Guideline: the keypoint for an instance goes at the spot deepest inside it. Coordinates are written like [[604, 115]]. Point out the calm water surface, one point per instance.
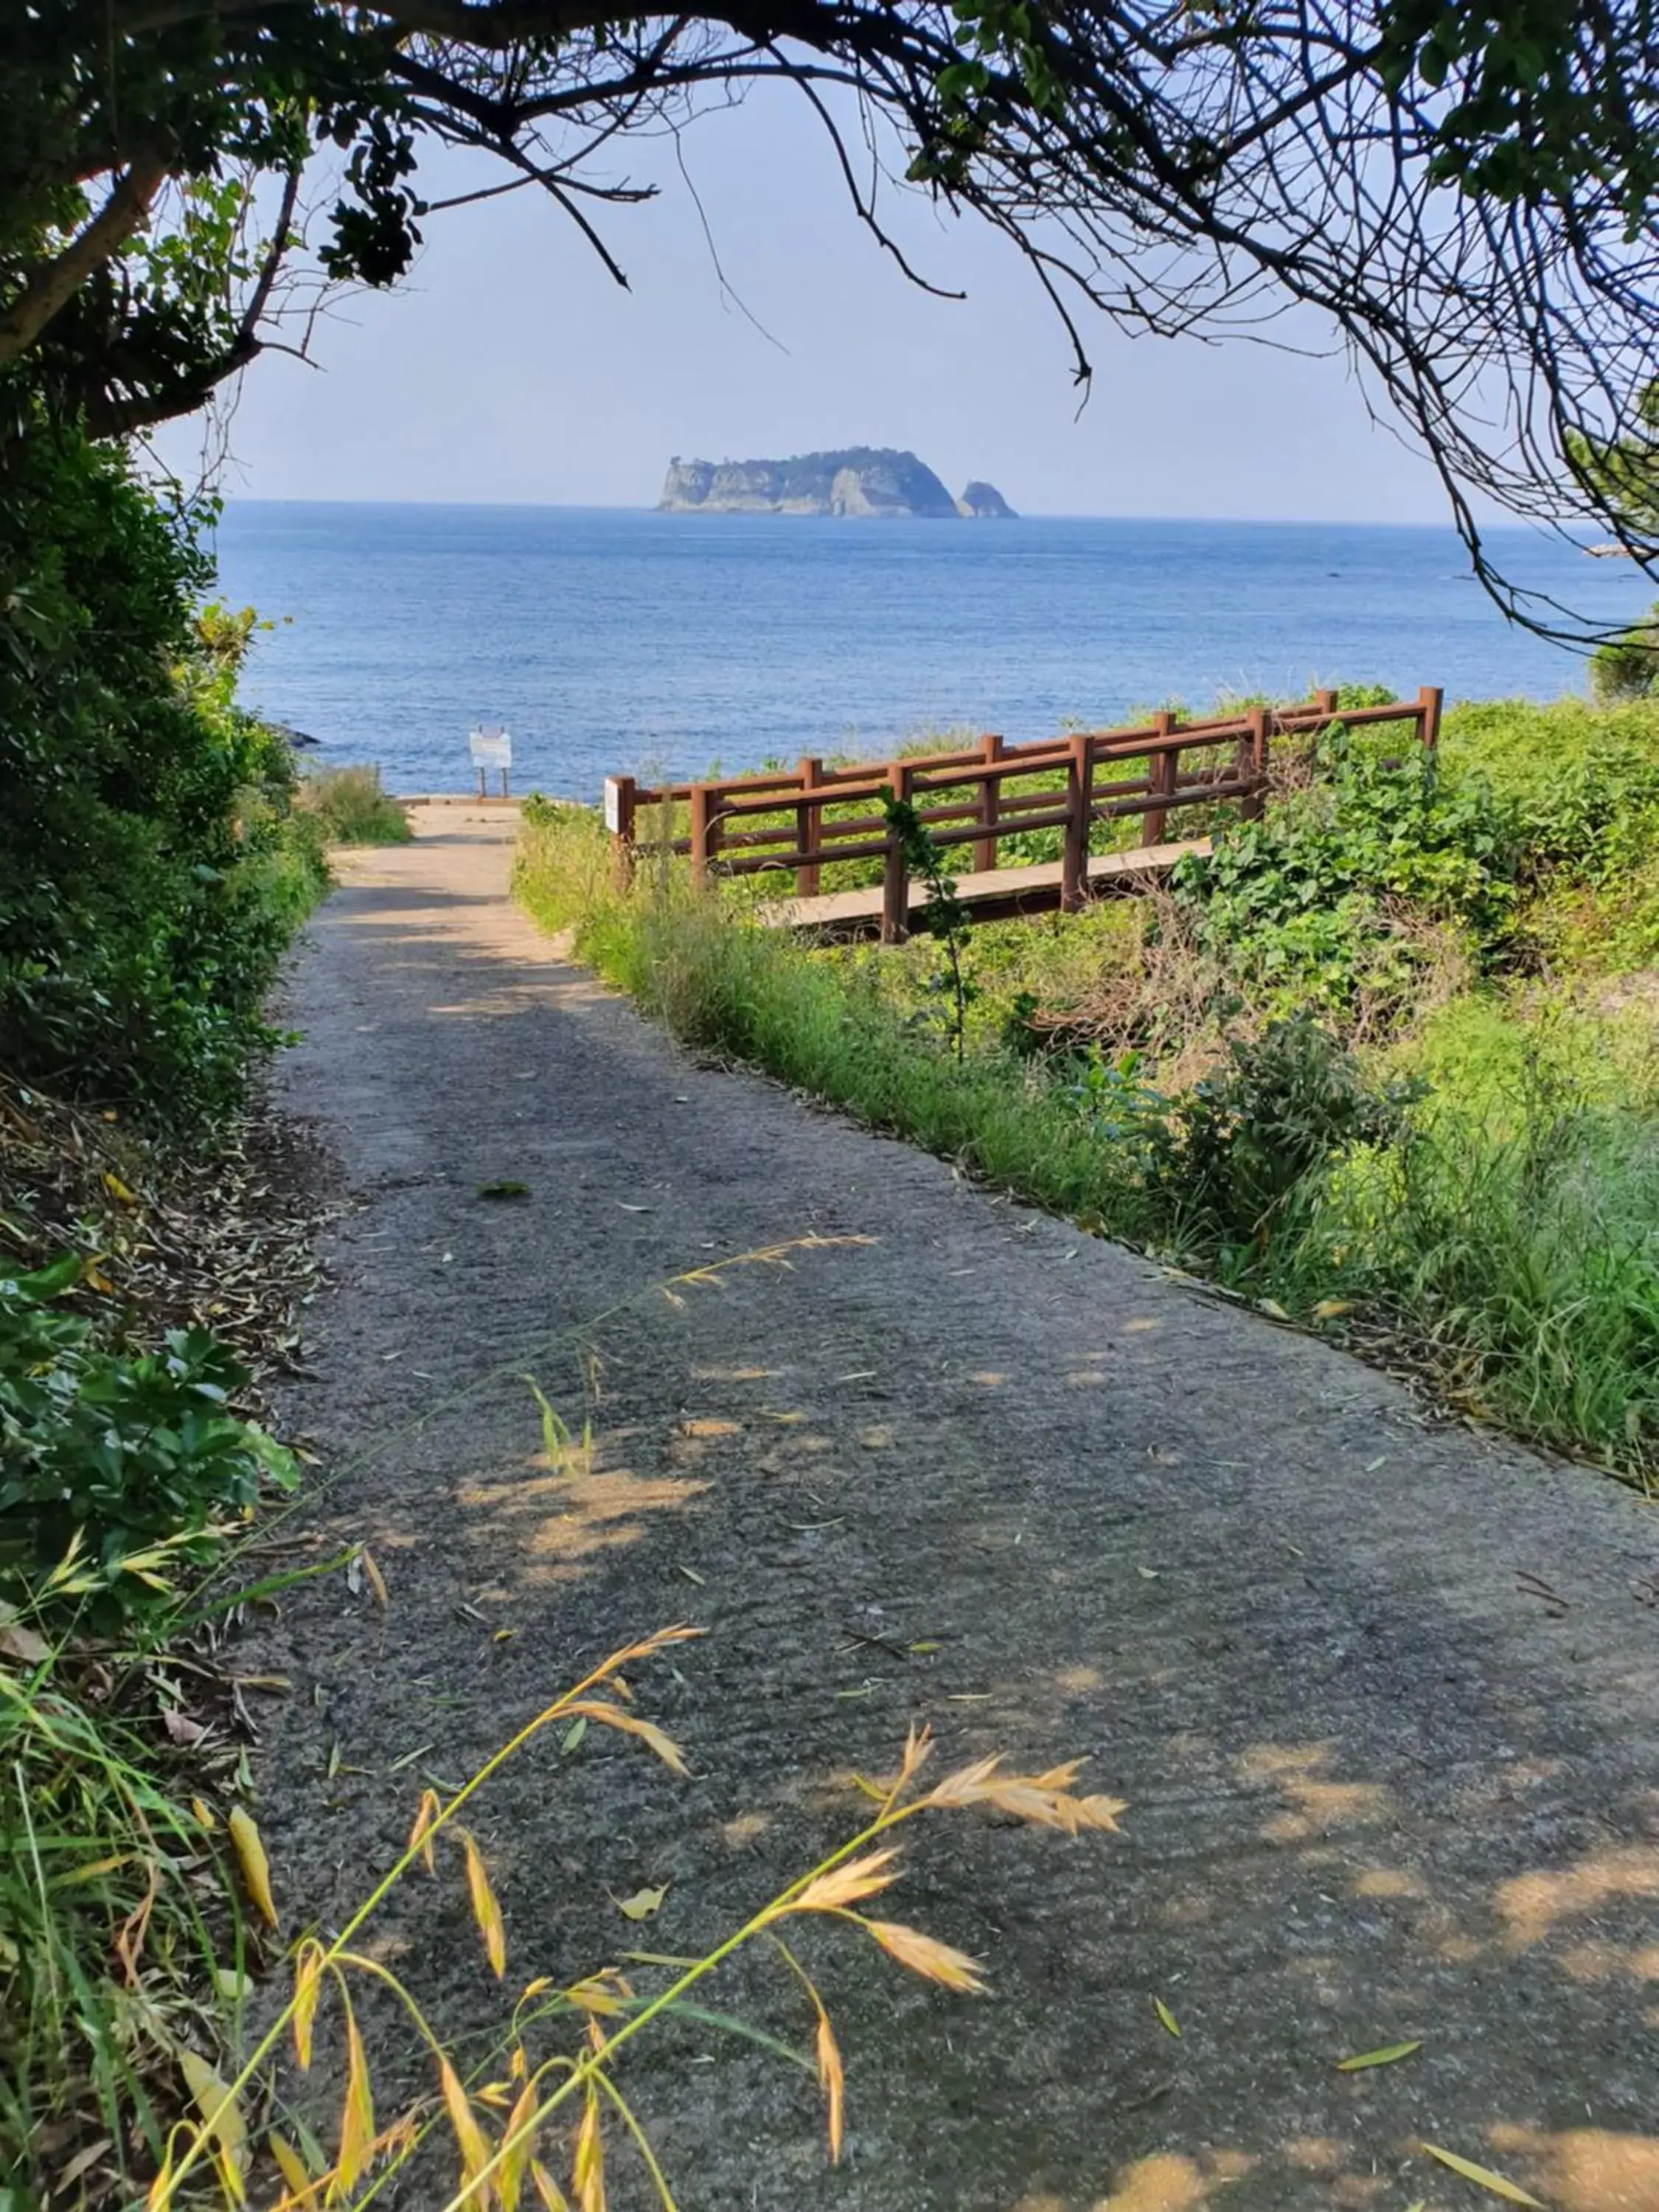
[[611, 641]]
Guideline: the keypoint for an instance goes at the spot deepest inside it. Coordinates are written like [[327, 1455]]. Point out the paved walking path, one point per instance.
[[1381, 1697]]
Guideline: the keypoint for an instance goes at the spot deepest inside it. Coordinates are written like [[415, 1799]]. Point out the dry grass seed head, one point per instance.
[[552, 2197], [927, 1956], [486, 1910], [519, 2146], [605, 1994], [832, 2079], [1045, 1800], [844, 1885], [298, 2185], [469, 2138], [307, 1988], [221, 2119], [587, 2168], [917, 1745], [610, 1716], [250, 1857], [356, 2112], [426, 1814]]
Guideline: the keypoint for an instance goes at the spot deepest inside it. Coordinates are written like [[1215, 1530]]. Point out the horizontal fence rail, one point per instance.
[[743, 825]]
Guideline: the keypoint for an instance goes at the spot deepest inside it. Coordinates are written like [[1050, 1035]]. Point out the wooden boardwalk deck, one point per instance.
[[990, 894]]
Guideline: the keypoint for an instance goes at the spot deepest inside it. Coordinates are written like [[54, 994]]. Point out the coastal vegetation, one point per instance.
[[1385, 1065], [352, 806], [153, 864]]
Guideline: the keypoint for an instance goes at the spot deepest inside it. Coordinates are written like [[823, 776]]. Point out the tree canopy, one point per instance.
[[1465, 190]]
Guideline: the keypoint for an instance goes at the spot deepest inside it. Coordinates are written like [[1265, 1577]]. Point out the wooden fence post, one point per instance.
[[1074, 852], [704, 832], [1429, 699], [895, 880], [1161, 779], [1325, 703], [621, 799], [1253, 765], [808, 830], [990, 810]]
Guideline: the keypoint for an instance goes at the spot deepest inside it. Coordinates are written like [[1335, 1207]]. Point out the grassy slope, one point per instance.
[[1488, 939]]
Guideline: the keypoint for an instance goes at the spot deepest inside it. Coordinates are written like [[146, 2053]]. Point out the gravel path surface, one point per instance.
[[1381, 1697]]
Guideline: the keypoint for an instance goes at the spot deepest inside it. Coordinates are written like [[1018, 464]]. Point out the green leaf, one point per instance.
[[555, 1435], [62, 1275], [1386, 2057], [1484, 2178]]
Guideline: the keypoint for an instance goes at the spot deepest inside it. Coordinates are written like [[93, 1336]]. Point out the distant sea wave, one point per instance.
[[608, 641]]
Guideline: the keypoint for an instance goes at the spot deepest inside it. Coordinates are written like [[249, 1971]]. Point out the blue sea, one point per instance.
[[607, 641]]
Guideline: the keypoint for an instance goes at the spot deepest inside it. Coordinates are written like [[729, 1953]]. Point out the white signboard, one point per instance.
[[612, 805], [489, 747]]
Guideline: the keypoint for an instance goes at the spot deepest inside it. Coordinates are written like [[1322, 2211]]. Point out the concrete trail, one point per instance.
[[1383, 1697]]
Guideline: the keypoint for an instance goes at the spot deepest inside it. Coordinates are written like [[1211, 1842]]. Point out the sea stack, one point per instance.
[[983, 503]]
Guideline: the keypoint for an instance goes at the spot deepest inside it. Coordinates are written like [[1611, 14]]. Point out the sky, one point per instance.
[[511, 367]]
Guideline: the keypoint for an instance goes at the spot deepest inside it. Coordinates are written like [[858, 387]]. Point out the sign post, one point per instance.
[[490, 746]]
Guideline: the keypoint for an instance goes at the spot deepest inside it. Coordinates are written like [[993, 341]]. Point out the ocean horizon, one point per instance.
[[621, 640]]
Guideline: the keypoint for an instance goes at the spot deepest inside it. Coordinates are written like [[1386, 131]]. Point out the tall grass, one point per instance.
[[353, 808], [118, 1938]]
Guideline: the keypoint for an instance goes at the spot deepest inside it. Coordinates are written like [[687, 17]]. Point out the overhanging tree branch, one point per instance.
[[48, 290]]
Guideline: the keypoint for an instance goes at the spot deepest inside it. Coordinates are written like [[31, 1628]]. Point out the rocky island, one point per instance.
[[861, 480]]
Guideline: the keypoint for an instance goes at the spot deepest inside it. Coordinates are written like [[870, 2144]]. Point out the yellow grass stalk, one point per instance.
[[486, 1910]]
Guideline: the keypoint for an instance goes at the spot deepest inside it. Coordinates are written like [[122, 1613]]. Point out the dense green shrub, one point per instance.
[[149, 881], [116, 1451], [1535, 829], [1580, 784], [1233, 1150], [1301, 903]]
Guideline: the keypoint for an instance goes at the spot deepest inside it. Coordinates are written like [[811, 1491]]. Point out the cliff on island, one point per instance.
[[861, 481]]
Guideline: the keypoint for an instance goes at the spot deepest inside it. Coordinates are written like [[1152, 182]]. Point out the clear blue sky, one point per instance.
[[512, 368]]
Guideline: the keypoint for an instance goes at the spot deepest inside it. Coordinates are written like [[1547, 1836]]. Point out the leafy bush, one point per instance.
[[1233, 1151], [1535, 826], [351, 808], [1581, 784], [149, 877], [128, 1456], [1297, 903]]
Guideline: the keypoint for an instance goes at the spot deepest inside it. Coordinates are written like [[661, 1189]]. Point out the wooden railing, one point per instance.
[[799, 836]]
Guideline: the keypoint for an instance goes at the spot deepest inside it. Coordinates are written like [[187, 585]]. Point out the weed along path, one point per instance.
[[1383, 1699]]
